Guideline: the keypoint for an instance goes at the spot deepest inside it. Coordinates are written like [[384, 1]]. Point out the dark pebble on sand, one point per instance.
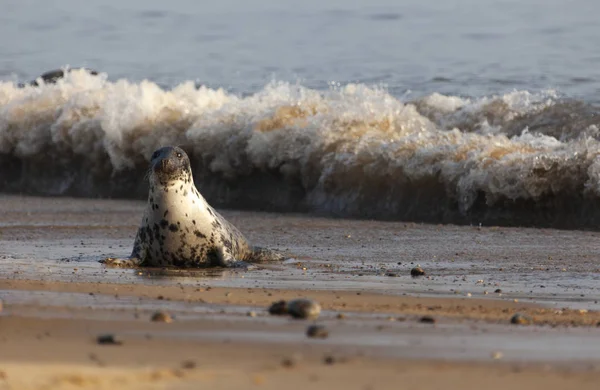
[[317, 331], [521, 319], [427, 320], [108, 339], [188, 364], [161, 316], [391, 274], [303, 308], [288, 362], [417, 271], [497, 291], [329, 360], [278, 308]]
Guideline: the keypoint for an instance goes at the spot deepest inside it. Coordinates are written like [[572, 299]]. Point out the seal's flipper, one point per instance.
[[130, 262], [265, 256]]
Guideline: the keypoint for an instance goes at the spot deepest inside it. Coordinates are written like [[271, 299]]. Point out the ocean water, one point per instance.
[[459, 111]]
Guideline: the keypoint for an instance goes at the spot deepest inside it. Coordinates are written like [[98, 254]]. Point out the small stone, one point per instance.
[[497, 291], [278, 308], [417, 271], [161, 316], [521, 319], [188, 364], [427, 320], [160, 297], [303, 308], [391, 274], [288, 362], [329, 360], [496, 355], [317, 331], [251, 314], [108, 339], [340, 316]]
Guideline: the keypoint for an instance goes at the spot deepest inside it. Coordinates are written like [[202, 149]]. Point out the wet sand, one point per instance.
[[57, 299]]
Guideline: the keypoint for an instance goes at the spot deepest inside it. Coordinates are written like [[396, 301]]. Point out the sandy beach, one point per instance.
[[57, 299]]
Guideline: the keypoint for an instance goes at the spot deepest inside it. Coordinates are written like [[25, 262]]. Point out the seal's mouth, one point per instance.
[[166, 168]]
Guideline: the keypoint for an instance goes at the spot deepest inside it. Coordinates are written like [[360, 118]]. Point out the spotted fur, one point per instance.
[[179, 228]]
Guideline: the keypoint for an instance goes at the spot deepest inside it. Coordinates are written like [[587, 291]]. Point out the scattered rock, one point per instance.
[[340, 316], [251, 314], [188, 364], [317, 331], [417, 271], [427, 320], [303, 308], [496, 355], [497, 291], [288, 362], [161, 316], [391, 274], [329, 360], [278, 308], [108, 339], [521, 319]]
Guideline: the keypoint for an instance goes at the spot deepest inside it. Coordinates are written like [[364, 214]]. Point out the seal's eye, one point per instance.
[[179, 155], [154, 155]]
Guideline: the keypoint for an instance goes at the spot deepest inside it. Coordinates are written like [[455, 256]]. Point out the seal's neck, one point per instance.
[[174, 191]]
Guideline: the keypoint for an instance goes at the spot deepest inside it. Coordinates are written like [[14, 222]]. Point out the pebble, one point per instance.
[[521, 319], [329, 360], [497, 355], [340, 316], [497, 291], [278, 308], [251, 314], [188, 364], [288, 362], [303, 308], [427, 320], [417, 271], [317, 331], [161, 316], [108, 339]]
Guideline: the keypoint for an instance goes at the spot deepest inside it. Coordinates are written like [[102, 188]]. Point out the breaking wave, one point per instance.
[[354, 150]]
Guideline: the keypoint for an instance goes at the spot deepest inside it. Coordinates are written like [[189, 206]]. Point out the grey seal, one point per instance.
[[179, 228]]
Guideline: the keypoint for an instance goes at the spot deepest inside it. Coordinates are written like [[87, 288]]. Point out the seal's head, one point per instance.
[[170, 164]]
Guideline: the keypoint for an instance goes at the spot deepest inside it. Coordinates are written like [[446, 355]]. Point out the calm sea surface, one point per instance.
[[461, 47]]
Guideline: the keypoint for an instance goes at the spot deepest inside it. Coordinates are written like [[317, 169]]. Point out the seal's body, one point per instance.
[[179, 228]]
